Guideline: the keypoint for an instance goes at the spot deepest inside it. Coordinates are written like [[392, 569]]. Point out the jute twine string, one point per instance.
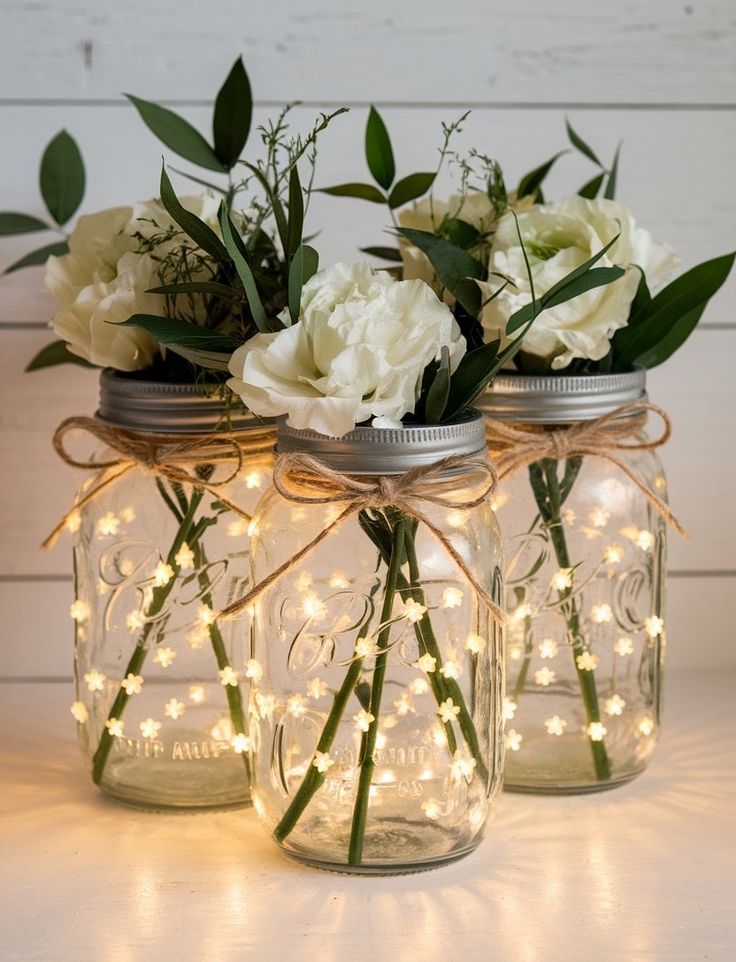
[[178, 458], [303, 479], [515, 446]]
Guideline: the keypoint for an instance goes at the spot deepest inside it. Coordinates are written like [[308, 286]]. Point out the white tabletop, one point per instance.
[[644, 872]]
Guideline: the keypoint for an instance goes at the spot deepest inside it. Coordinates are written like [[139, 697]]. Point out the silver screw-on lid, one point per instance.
[[373, 451], [137, 404], [558, 399]]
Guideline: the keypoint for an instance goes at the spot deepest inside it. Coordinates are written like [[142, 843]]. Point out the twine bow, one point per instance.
[[514, 446], [303, 479], [178, 458]]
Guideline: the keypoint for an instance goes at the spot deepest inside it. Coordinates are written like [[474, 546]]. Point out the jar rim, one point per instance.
[[561, 398], [386, 451], [139, 404]]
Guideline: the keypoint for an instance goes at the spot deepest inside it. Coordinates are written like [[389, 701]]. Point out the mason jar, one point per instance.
[[161, 696], [376, 705], [585, 590]]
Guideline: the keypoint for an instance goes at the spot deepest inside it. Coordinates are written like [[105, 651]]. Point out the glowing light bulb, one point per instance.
[[205, 615], [150, 728], [624, 646], [499, 500], [591, 533], [165, 656], [596, 731], [240, 743], [587, 661], [462, 767], [645, 540], [455, 519], [253, 480], [474, 643], [297, 705], [523, 611], [451, 598], [73, 522], [184, 557], [95, 680], [174, 708], [630, 532], [555, 725], [654, 626], [366, 648], [513, 739], [313, 607], [601, 614], [646, 725], [134, 621], [266, 704], [569, 517], [79, 712], [115, 726], [252, 528], [413, 611], [432, 808], [228, 676], [338, 579], [427, 663], [419, 686], [162, 574], [548, 648], [238, 528], [614, 705], [545, 677], [448, 710], [509, 709], [304, 582], [108, 524], [363, 720], [515, 652], [132, 684], [439, 737], [599, 517], [253, 670], [562, 579], [79, 611], [613, 554], [322, 762], [197, 636], [451, 669], [316, 688], [380, 741], [404, 704], [128, 514], [196, 694]]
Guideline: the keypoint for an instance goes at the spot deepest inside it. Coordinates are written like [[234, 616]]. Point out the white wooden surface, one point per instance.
[[643, 873], [658, 75]]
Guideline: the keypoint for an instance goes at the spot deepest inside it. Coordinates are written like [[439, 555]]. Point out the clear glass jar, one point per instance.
[[585, 594], [161, 699], [376, 706]]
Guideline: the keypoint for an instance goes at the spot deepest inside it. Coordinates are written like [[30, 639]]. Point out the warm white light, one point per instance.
[[513, 739], [555, 725], [462, 767], [134, 621], [432, 808], [79, 712], [448, 710], [297, 705], [419, 686], [150, 728], [206, 615], [73, 522], [569, 517], [601, 614], [304, 582], [95, 680], [165, 656], [253, 480], [197, 636], [596, 731], [184, 557], [316, 688], [474, 643], [132, 684], [427, 663], [562, 579], [624, 646], [614, 705], [380, 741], [523, 611], [338, 579], [587, 661], [240, 743], [404, 704], [363, 720], [654, 626], [80, 611], [498, 501], [313, 607], [599, 517], [174, 708], [630, 532], [252, 528], [322, 762], [237, 528], [545, 676], [509, 709], [128, 514], [591, 533], [439, 737], [451, 598], [228, 676], [645, 540], [515, 652], [366, 648], [108, 524], [548, 648], [266, 704], [162, 574], [253, 670], [413, 611], [613, 554], [455, 519], [451, 669], [196, 694], [115, 726], [646, 725]]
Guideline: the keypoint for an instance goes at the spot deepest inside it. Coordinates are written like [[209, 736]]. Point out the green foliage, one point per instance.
[[39, 256], [610, 191], [378, 150], [530, 184], [174, 332], [409, 188], [232, 115], [591, 189], [438, 392], [62, 177], [236, 250], [54, 354], [201, 233], [385, 253], [177, 134], [452, 264], [577, 141], [360, 191], [12, 222], [303, 266]]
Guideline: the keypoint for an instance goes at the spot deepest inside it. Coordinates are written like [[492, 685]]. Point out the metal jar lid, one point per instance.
[[374, 451], [159, 407], [559, 399]]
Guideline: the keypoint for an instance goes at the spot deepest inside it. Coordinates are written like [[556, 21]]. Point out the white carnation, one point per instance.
[[358, 351]]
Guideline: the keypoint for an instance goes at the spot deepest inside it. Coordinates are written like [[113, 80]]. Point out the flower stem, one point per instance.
[[549, 498], [368, 746], [140, 651]]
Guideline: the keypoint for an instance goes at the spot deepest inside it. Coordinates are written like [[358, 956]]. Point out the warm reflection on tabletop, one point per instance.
[[637, 873]]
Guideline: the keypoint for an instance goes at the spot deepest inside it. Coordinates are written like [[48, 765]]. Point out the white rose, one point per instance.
[[104, 278], [358, 352], [558, 238]]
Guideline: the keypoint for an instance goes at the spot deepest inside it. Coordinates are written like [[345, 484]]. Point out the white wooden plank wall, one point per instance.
[[660, 75]]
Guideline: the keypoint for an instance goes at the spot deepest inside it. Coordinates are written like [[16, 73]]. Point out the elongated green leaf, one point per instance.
[[577, 141], [642, 300], [459, 232], [296, 214], [53, 354], [173, 330], [62, 177], [409, 188], [232, 116], [237, 252], [201, 233], [590, 190], [39, 256], [196, 287], [453, 265], [15, 223], [361, 191], [378, 151], [304, 265], [177, 134], [210, 360], [385, 253], [439, 390], [664, 324], [531, 182], [610, 192], [470, 378], [276, 206]]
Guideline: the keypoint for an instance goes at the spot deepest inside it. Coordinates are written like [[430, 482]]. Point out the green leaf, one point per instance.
[[14, 223], [210, 360], [202, 235], [177, 134], [439, 390], [237, 252], [642, 300], [62, 177], [409, 188], [232, 116], [452, 264], [663, 325], [304, 265], [385, 253], [610, 191], [54, 354], [470, 377], [577, 141], [172, 330], [531, 182], [39, 256], [378, 151], [296, 214], [276, 206], [563, 291], [459, 232], [361, 191], [590, 190], [196, 287]]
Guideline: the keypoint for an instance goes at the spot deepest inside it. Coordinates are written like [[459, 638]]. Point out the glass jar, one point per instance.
[[376, 706], [585, 592], [161, 703]]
